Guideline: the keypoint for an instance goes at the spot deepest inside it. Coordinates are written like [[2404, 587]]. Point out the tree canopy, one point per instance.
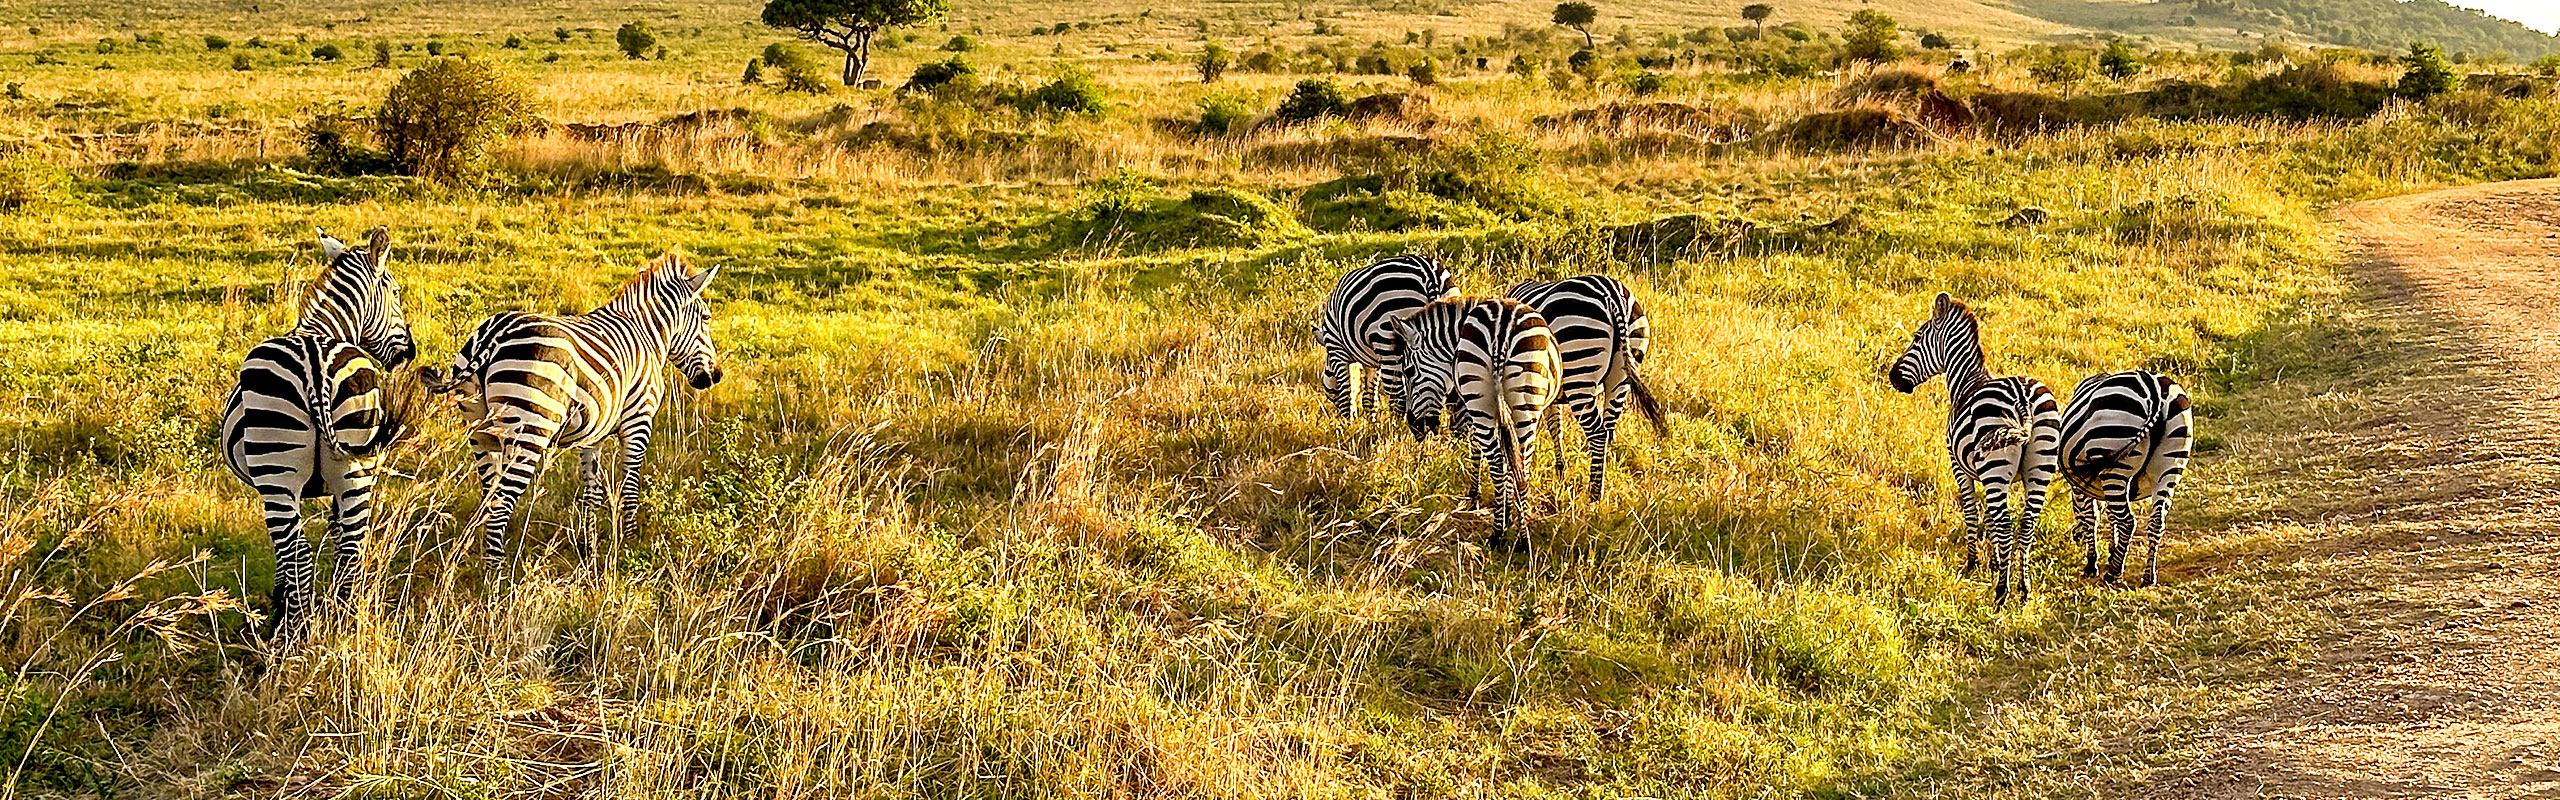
[[1578, 16], [848, 25]]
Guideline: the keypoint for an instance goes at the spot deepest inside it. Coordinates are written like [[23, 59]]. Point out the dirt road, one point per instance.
[[2434, 517]]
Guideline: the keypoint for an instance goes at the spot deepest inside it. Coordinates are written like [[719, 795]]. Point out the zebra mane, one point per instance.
[[669, 268]]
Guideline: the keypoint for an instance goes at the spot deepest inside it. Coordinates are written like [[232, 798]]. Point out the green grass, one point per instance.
[[1020, 484]]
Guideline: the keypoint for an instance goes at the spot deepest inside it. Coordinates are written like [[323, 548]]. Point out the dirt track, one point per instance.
[[2432, 528]]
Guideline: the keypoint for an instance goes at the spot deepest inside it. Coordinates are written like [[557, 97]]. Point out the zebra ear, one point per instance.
[[1946, 302], [330, 247], [702, 279]]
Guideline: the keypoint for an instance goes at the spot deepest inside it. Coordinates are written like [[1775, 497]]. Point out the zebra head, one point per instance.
[[686, 318], [1949, 331], [356, 299], [1425, 348]]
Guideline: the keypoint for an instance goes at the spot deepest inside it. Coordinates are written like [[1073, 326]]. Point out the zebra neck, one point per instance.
[[1965, 373], [645, 329]]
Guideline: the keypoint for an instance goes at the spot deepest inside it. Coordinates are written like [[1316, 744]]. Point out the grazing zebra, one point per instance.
[[1601, 335], [1493, 363], [2001, 432], [2124, 437], [1353, 327], [537, 382], [313, 412]]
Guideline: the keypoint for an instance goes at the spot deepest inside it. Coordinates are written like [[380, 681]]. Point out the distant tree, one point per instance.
[[2428, 74], [2119, 62], [849, 25], [635, 38], [1578, 16], [560, 33], [440, 119], [1314, 97], [1934, 40], [754, 74], [382, 53], [1872, 37], [1757, 13], [435, 48], [2060, 68], [1214, 61]]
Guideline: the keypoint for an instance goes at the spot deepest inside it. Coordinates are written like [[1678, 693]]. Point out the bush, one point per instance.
[[934, 76], [1934, 41], [335, 146], [1646, 84], [2119, 61], [1313, 99], [1224, 114], [635, 38], [1872, 37], [561, 34], [1496, 172], [2060, 68], [754, 73], [26, 180], [1126, 212], [382, 54], [440, 119], [800, 73], [2428, 74], [327, 52], [960, 44], [514, 42], [240, 61], [1072, 93], [212, 42], [1425, 72], [2308, 91], [435, 48], [1213, 62]]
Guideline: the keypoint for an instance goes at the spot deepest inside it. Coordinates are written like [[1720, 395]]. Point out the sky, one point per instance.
[[2540, 15]]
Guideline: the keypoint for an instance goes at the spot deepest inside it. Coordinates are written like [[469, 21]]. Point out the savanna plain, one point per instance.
[[1021, 484]]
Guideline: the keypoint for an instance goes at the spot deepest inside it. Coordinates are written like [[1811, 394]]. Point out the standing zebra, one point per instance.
[[1601, 335], [537, 382], [1493, 363], [1354, 326], [2124, 437], [312, 414], [2000, 432]]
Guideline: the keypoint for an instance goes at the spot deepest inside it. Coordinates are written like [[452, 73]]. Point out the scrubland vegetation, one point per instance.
[[1021, 485]]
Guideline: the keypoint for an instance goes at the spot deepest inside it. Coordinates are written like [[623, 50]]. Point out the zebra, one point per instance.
[[537, 382], [313, 412], [1353, 327], [1492, 362], [1601, 335], [2000, 432], [2125, 436]]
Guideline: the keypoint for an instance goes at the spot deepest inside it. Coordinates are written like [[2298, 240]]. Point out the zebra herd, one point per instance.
[[1398, 332], [315, 408], [1499, 367]]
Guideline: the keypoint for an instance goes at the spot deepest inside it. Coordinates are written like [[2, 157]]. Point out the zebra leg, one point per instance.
[[1598, 430], [1369, 402], [2031, 511], [510, 471], [1506, 489], [2120, 515], [592, 495], [635, 446], [2084, 530], [291, 596], [2159, 527], [1968, 502], [1337, 383], [2003, 538], [351, 507]]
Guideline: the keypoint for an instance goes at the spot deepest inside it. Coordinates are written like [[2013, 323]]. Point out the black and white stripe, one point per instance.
[[535, 383], [1492, 363], [2125, 438], [1354, 327], [313, 412], [1601, 336], [2002, 434]]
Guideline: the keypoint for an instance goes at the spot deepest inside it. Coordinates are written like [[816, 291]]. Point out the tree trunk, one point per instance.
[[857, 58], [1586, 38]]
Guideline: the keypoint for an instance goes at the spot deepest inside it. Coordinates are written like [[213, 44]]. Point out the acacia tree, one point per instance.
[[1578, 16], [848, 25], [2119, 62], [1757, 13], [1871, 37]]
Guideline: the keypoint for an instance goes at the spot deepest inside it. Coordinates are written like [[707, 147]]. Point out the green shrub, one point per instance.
[[754, 73], [1074, 92], [240, 61], [960, 44], [212, 42], [1872, 37], [800, 73], [1314, 98], [1127, 212], [439, 121], [1213, 62], [941, 77], [334, 144], [1424, 73], [2427, 75], [1648, 83], [2119, 61], [561, 34], [1494, 171], [635, 38], [1224, 115], [382, 54], [327, 52], [435, 48], [514, 42]]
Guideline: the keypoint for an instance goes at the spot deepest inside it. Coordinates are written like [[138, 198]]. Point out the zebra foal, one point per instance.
[[1492, 363], [2125, 437], [313, 412], [2002, 433], [1355, 328], [536, 383]]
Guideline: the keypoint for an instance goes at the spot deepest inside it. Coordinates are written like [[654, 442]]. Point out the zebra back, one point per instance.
[[1356, 317], [1601, 335]]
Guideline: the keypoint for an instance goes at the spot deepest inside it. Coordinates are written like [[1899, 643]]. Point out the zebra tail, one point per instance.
[[1646, 406], [2012, 434], [395, 420]]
